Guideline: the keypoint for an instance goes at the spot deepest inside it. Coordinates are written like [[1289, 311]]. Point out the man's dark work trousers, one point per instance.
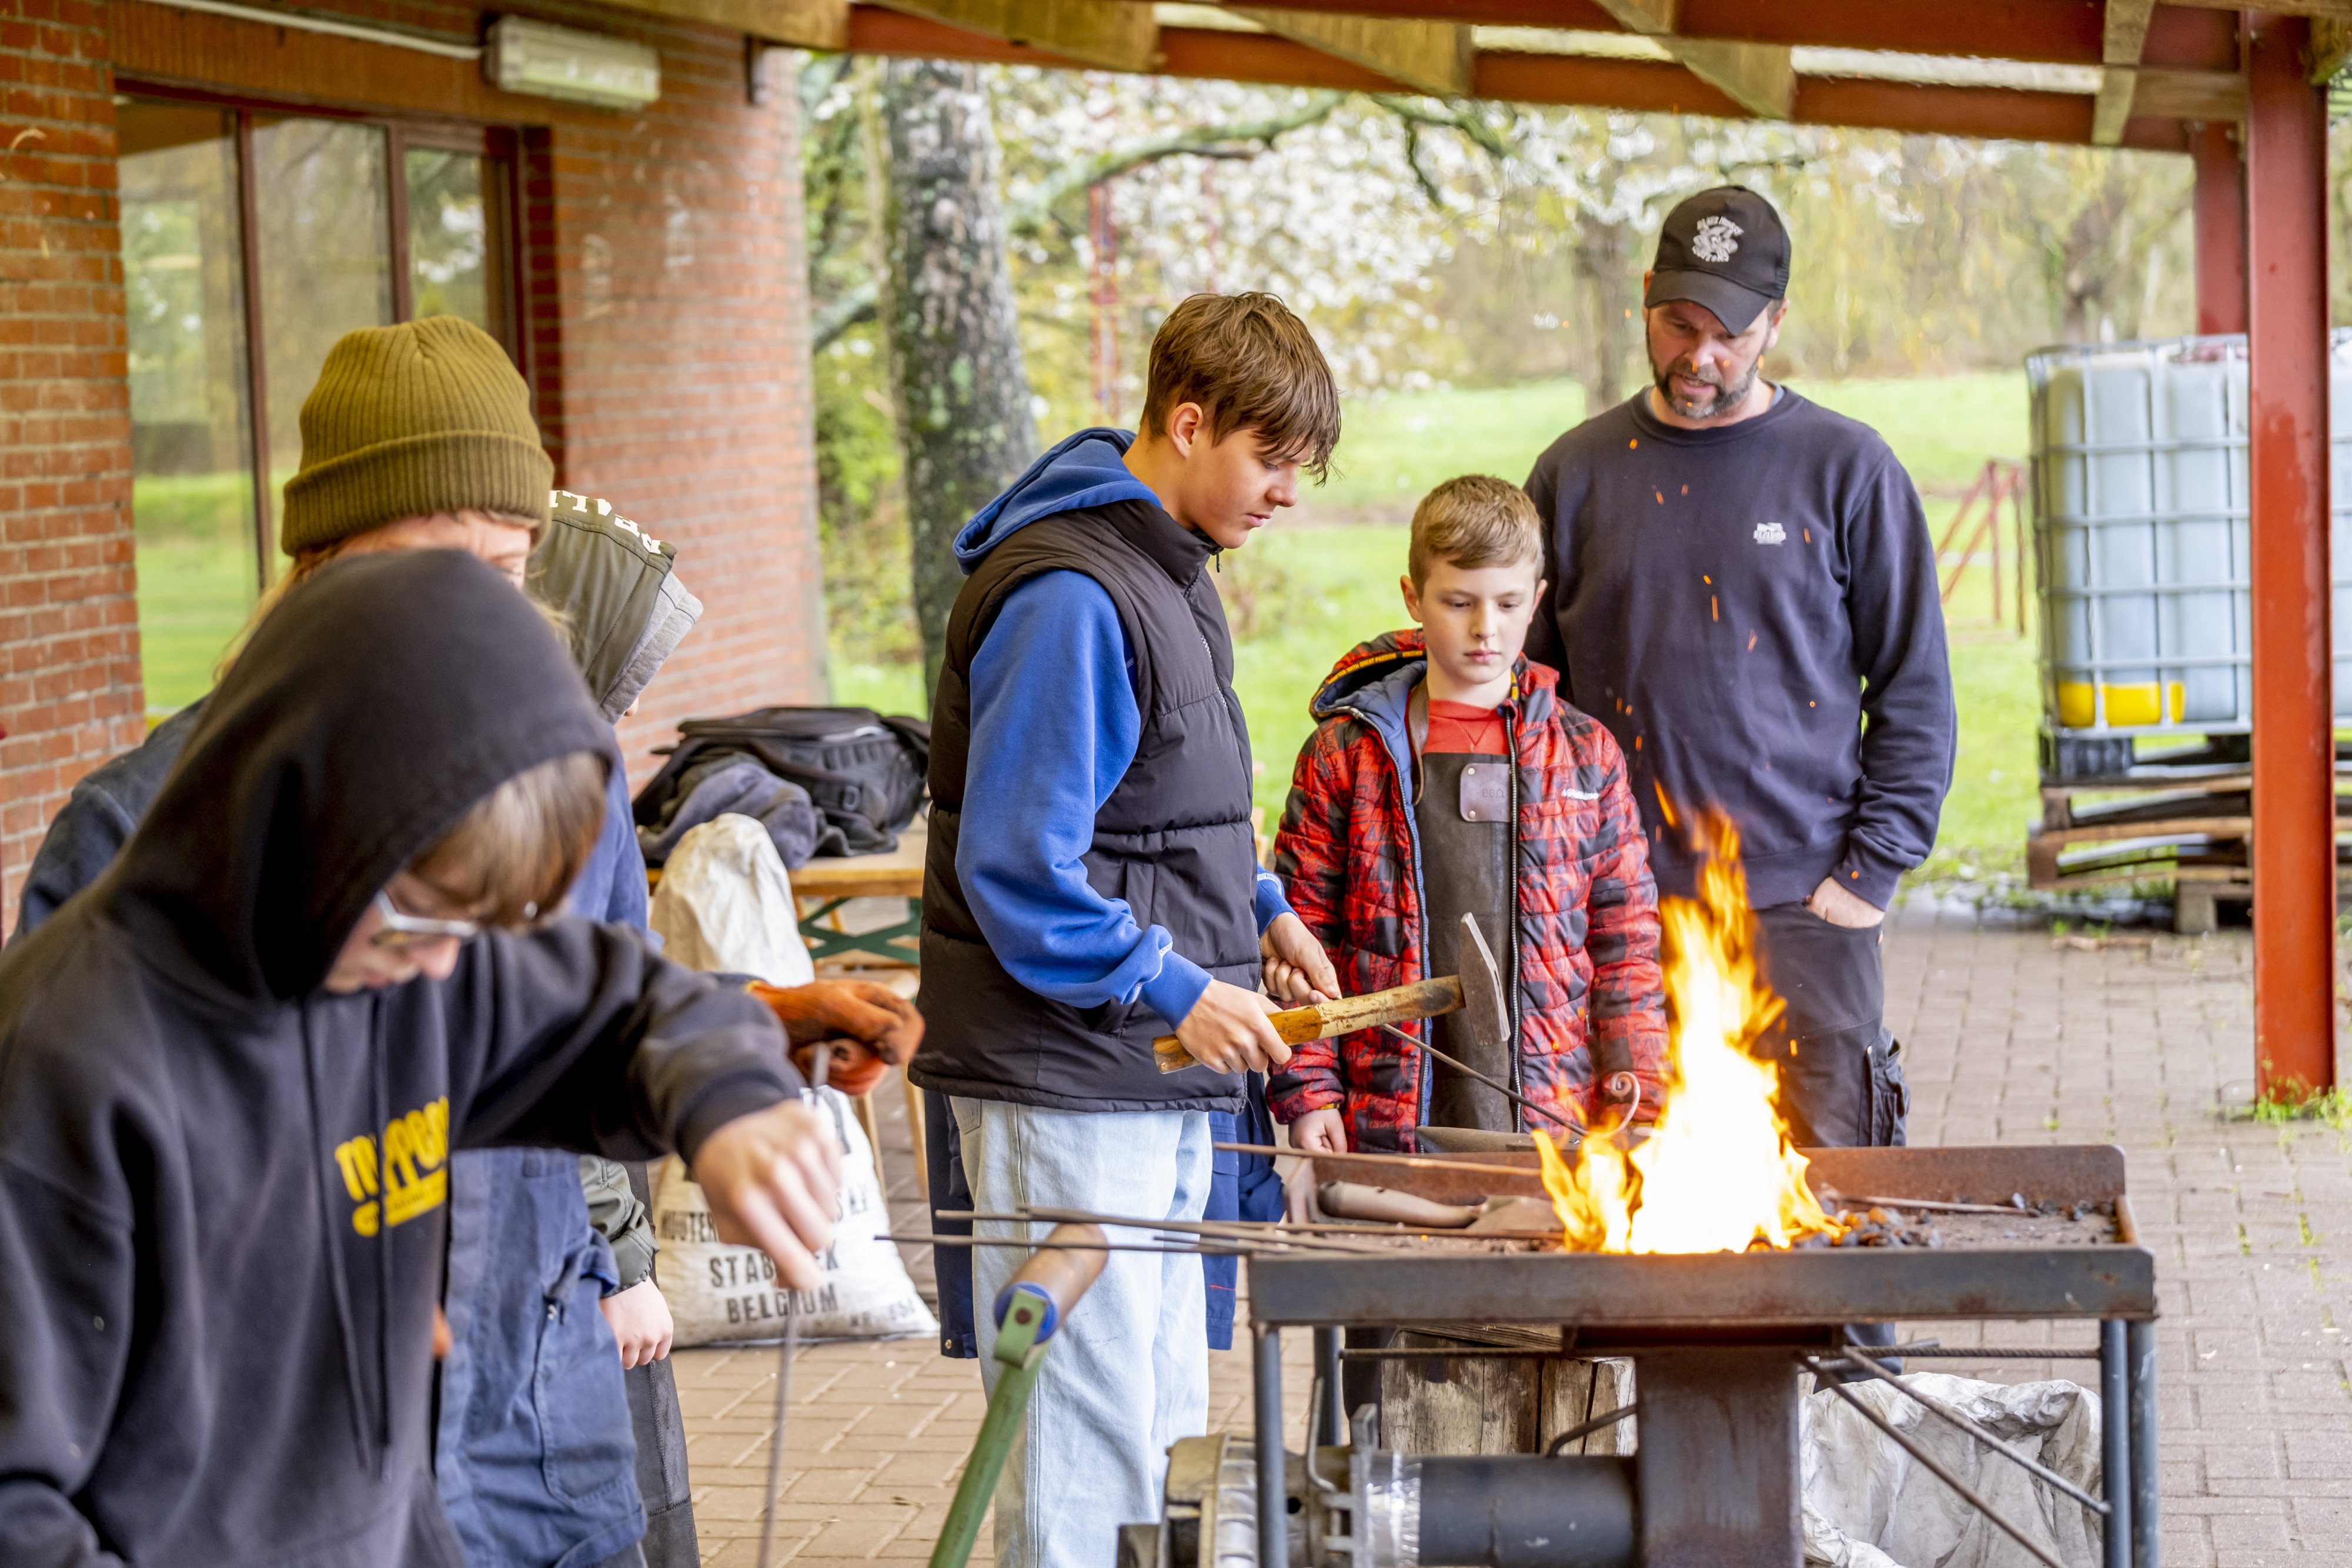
[[1840, 1072]]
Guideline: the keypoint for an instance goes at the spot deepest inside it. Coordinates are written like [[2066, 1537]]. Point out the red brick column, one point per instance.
[[665, 250], [69, 692]]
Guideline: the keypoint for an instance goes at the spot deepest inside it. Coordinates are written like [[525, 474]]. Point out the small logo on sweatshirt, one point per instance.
[[1770, 533]]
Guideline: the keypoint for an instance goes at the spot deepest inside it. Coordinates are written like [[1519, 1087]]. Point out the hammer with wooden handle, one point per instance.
[[1478, 991]]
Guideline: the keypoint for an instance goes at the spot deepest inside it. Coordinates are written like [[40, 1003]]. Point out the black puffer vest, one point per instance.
[[1174, 840]]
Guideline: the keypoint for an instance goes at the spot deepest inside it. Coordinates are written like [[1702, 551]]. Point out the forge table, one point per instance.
[[1717, 1338]]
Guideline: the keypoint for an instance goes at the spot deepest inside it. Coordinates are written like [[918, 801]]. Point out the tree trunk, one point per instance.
[[962, 392]]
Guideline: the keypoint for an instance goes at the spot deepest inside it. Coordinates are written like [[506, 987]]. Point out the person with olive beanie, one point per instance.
[[420, 437]]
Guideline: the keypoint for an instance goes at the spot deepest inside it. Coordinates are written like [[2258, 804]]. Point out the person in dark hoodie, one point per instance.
[[533, 1469], [1092, 882], [232, 1073]]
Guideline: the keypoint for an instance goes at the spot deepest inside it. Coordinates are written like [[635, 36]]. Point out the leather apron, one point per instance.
[[1468, 844]]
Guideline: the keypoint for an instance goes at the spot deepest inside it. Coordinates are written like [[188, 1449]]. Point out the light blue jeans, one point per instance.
[[1129, 1372]]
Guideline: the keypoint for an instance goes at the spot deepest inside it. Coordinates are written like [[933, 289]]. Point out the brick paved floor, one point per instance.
[[2012, 1036]]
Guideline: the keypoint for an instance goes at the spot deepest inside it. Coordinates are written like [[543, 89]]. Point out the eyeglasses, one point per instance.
[[404, 931]]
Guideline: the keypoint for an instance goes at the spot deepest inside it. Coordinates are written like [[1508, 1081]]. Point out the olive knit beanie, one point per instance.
[[428, 416]]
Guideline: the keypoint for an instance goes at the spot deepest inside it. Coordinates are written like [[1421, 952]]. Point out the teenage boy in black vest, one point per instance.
[[1092, 883]]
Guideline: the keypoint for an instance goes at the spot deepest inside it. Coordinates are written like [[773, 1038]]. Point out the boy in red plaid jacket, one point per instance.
[[1444, 778]]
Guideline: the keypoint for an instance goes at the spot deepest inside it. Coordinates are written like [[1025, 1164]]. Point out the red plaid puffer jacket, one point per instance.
[[1589, 995]]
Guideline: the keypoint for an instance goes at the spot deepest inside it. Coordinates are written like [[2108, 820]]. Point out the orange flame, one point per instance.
[[1718, 1172]]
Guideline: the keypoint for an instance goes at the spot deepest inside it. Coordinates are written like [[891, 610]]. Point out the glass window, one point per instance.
[[251, 242], [450, 243], [191, 420], [324, 251]]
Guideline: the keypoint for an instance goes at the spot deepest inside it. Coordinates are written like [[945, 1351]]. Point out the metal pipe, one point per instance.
[[1273, 1494], [2140, 1341], [1928, 1461], [1332, 1412], [1520, 1510], [2114, 1443]]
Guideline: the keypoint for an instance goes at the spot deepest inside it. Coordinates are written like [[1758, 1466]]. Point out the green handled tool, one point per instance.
[[1028, 1312]]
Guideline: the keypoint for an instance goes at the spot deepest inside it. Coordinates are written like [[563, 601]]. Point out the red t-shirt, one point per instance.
[[1461, 726]]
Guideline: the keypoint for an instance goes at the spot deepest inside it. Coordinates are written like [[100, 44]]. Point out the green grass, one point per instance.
[[193, 597]]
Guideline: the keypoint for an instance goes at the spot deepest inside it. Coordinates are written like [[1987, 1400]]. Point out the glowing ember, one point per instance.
[[1718, 1173]]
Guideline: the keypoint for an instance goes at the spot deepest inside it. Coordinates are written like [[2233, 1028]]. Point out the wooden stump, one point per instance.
[[1480, 1405]]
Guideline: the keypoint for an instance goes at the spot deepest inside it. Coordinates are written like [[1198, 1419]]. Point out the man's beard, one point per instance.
[[1726, 400]]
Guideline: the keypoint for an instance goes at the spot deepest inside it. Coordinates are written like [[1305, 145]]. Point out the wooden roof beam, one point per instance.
[[809, 24], [1424, 55], [1758, 77], [1111, 35], [2125, 38]]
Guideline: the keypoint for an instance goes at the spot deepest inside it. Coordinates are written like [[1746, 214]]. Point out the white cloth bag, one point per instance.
[[1868, 1504], [720, 1294], [725, 904]]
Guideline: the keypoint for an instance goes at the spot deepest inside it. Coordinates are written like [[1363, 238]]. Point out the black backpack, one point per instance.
[[865, 772]]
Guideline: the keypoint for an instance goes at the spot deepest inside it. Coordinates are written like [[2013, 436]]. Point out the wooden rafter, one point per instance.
[[1114, 34], [809, 23], [1427, 56], [2339, 10], [1759, 78], [2125, 38], [1641, 85]]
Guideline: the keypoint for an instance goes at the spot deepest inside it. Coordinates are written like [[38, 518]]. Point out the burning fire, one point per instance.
[[1718, 1173]]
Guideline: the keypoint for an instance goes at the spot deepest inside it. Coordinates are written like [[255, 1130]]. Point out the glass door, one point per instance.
[[252, 240]]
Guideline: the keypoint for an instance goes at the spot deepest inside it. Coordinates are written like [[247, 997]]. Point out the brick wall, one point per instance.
[[70, 694], [664, 302]]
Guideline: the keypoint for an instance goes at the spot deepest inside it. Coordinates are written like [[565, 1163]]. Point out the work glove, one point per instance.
[[868, 1029]]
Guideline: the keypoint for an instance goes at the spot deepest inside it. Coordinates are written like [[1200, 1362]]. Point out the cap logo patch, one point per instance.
[[1770, 533], [1716, 240]]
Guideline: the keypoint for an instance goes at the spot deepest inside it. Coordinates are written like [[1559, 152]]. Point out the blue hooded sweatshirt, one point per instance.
[[1036, 775]]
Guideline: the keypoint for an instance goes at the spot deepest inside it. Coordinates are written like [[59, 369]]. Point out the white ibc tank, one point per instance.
[[2140, 525]]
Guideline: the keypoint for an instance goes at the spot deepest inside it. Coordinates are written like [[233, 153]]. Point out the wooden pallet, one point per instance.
[[2186, 823]]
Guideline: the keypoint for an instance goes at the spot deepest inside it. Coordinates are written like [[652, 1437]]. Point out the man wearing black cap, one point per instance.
[[1745, 593]]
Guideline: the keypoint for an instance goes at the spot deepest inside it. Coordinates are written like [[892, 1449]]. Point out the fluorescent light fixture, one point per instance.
[[548, 61]]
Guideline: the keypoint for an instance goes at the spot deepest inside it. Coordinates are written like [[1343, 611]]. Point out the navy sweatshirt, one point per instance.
[[1752, 610]]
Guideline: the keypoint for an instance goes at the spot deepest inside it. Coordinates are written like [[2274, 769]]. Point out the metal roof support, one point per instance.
[[2294, 740], [2221, 220]]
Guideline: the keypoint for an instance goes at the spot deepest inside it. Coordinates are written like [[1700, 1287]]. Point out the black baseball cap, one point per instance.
[[1724, 249]]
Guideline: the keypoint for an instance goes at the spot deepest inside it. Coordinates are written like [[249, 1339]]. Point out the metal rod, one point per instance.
[[1941, 1206], [1998, 1352], [1409, 1162], [1577, 1433], [1929, 1462], [1855, 1357], [2139, 1343], [1463, 1068], [1221, 1250], [1273, 1495], [1204, 1228], [2114, 1441], [785, 1353], [1468, 1353]]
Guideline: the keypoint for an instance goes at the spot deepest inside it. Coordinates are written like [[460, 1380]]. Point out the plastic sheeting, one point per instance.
[[1868, 1504], [725, 905]]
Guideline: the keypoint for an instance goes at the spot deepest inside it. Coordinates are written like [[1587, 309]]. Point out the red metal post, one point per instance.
[[2221, 227], [2294, 790]]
